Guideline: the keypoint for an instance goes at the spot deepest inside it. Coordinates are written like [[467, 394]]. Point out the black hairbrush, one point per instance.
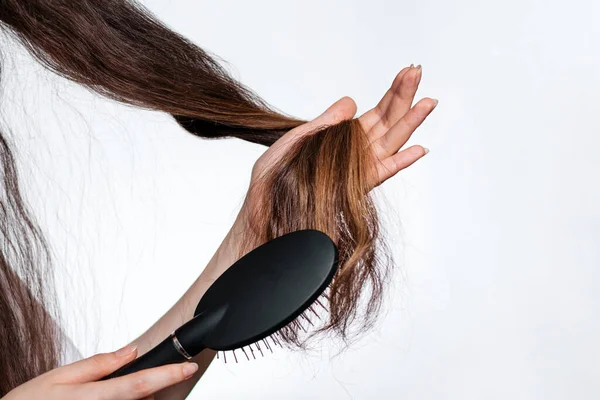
[[258, 295]]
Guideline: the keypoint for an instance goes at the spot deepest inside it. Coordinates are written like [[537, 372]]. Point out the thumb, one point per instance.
[[341, 110]]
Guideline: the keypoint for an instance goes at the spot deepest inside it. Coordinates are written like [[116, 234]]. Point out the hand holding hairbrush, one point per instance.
[[258, 295]]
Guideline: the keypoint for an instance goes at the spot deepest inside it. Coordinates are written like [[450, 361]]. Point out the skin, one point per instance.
[[389, 125], [79, 380]]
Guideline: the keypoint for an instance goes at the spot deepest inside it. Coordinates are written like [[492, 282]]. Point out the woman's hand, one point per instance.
[[80, 380], [389, 126]]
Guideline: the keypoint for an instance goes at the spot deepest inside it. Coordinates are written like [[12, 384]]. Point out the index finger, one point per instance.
[[95, 367], [140, 384]]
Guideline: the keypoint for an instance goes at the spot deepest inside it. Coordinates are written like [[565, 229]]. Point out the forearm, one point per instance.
[[184, 309]]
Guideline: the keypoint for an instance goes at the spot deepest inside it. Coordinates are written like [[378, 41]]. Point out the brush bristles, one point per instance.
[[301, 323]]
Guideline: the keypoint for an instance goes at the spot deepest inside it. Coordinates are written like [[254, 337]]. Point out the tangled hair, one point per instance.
[[323, 183], [119, 50]]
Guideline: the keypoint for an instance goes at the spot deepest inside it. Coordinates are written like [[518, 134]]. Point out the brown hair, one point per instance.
[[29, 344], [323, 182], [118, 49]]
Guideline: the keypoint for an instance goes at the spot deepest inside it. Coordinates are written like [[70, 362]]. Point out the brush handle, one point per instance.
[[183, 344], [163, 354]]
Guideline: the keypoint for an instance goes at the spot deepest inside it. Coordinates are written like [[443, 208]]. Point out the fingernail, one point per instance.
[[190, 369], [435, 103], [412, 65], [419, 66], [426, 150], [126, 350]]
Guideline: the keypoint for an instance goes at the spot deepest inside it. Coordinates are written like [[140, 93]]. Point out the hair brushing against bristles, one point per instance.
[[314, 175]]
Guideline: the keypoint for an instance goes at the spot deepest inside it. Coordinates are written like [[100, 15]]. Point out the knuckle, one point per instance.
[[99, 360], [141, 387], [103, 361], [174, 373], [177, 374], [412, 117]]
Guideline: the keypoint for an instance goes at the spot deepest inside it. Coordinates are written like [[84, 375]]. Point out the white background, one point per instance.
[[496, 293]]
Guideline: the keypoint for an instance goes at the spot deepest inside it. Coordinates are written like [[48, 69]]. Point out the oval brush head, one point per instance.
[[258, 295], [268, 288]]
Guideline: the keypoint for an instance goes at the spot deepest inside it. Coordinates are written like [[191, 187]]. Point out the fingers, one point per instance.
[[386, 147], [399, 161], [399, 134], [395, 103], [140, 385], [97, 366], [371, 117]]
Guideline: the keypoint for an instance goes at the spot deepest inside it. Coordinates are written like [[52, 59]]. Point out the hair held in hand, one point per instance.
[[119, 50], [323, 183]]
